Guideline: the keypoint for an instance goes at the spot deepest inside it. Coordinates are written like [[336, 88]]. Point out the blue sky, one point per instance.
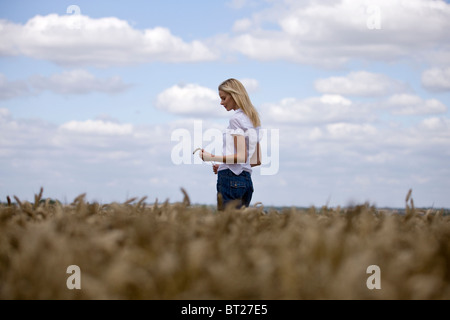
[[358, 91]]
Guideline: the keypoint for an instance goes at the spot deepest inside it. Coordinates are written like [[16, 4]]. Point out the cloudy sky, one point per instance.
[[109, 98]]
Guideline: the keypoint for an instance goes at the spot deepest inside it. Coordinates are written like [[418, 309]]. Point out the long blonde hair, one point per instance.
[[239, 94]]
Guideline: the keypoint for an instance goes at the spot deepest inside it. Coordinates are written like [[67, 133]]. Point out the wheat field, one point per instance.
[[167, 251]]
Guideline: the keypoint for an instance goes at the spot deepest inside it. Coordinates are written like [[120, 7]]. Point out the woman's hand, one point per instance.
[[215, 168], [206, 156]]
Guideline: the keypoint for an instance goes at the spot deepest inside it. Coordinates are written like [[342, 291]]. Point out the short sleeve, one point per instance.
[[236, 132], [235, 124], [238, 125]]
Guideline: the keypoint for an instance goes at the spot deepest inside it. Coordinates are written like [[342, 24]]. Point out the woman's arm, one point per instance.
[[255, 160], [240, 155]]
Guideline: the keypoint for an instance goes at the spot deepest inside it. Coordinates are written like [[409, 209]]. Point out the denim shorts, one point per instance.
[[231, 187]]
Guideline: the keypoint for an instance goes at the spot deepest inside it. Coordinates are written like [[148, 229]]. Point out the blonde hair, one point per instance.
[[239, 94]]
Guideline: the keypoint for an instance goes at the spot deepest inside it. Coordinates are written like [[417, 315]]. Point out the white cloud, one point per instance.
[[331, 33], [434, 124], [335, 99], [351, 131], [436, 79], [242, 25], [325, 33], [360, 83], [313, 111], [408, 104], [251, 85], [190, 100], [98, 42], [67, 82], [98, 127], [431, 137], [4, 113], [263, 46], [239, 4], [12, 89], [77, 82]]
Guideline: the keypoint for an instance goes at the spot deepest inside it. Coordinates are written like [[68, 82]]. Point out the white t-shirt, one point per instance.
[[240, 125]]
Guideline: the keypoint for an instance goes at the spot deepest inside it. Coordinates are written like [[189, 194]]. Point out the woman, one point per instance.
[[240, 147]]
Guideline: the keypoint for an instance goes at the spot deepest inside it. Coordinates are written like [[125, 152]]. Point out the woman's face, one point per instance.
[[227, 101]]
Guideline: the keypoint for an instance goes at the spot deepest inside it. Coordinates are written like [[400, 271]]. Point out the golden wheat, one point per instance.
[[135, 250]]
